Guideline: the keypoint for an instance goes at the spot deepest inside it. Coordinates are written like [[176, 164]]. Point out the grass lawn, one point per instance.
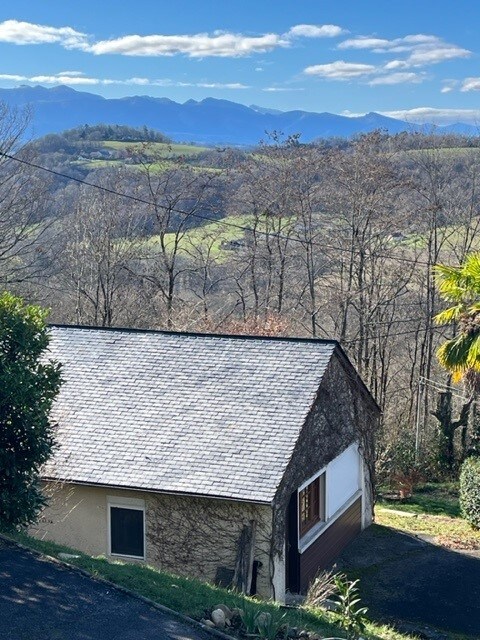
[[192, 597], [433, 510]]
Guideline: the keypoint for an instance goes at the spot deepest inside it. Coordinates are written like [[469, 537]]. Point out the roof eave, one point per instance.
[[185, 494]]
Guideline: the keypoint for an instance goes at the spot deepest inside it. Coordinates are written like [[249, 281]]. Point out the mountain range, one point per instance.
[[209, 121]]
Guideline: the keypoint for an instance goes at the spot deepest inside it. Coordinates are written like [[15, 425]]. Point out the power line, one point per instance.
[[439, 386], [203, 216]]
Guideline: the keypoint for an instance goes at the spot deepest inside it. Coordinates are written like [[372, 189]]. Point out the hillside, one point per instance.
[[208, 121]]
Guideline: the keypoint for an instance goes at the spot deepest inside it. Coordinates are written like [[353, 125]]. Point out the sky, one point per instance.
[[414, 59]]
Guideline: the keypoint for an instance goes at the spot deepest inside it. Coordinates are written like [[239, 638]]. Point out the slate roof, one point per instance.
[[183, 413]]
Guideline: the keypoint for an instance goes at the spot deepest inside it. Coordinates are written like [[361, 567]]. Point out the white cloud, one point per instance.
[[282, 89], [201, 45], [397, 78], [435, 53], [471, 84], [23, 33], [395, 64], [71, 73], [10, 77], [213, 85], [432, 115], [315, 31], [64, 79], [340, 70], [422, 49], [363, 42], [449, 85], [79, 78]]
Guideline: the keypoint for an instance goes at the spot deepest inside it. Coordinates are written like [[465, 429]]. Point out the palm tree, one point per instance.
[[460, 355], [460, 286]]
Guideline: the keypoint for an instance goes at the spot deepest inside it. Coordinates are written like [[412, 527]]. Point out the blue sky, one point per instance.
[[416, 59]]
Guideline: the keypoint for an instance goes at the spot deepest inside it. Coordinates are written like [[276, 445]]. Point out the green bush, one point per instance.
[[470, 491]]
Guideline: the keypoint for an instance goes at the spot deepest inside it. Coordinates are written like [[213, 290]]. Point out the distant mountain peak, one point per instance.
[[208, 121]]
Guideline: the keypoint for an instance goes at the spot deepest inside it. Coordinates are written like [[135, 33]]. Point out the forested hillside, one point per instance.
[[114, 226]]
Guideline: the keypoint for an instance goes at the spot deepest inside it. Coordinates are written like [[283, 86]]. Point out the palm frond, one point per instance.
[[452, 314], [454, 354], [449, 281], [473, 359], [471, 267]]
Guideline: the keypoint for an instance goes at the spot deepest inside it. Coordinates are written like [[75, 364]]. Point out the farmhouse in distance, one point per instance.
[[236, 459]]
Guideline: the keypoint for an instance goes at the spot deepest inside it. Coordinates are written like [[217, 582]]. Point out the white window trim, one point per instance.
[[322, 523], [125, 503], [310, 480], [317, 530]]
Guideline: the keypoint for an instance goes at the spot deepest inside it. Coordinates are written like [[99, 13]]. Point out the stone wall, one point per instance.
[[342, 413], [199, 537], [210, 537]]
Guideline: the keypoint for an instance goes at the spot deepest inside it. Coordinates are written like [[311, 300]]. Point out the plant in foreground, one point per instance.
[[351, 617], [269, 625], [320, 589], [249, 617]]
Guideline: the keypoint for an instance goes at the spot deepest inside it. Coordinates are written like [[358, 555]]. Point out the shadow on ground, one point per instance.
[[405, 579], [40, 600]]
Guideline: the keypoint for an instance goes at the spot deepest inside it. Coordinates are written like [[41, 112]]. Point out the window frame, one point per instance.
[[133, 504], [304, 528]]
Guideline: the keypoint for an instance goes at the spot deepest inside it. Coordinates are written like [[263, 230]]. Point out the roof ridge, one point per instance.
[[195, 334]]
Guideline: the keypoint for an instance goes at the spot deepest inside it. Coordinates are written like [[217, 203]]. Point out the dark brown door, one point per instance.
[[292, 578]]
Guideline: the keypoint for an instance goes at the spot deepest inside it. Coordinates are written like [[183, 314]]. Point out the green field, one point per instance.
[[158, 148], [210, 236], [445, 152], [450, 237]]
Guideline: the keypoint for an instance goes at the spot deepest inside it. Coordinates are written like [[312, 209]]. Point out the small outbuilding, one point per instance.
[[240, 460]]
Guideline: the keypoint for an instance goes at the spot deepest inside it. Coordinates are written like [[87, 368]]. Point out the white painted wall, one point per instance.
[[343, 479]]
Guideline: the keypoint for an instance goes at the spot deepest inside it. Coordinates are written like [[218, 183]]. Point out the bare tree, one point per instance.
[[23, 200], [101, 241], [179, 195]]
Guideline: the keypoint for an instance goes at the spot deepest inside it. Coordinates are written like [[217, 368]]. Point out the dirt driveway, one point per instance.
[[408, 580], [43, 600]]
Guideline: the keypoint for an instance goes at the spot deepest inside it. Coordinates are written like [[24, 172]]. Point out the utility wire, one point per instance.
[[199, 215]]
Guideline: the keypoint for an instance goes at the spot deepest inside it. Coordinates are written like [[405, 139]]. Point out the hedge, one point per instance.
[[470, 491]]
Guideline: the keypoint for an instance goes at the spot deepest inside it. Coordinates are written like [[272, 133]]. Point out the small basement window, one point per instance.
[[311, 504], [127, 530]]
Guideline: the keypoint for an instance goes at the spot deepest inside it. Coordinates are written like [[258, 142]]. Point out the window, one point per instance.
[[311, 504], [127, 529]]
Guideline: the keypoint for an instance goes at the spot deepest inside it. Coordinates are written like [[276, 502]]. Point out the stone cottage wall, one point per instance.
[[187, 536], [342, 414], [210, 537]]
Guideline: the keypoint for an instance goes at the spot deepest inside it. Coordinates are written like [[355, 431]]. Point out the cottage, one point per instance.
[[236, 459]]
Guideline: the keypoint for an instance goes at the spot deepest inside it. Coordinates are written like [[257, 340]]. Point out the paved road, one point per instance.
[[403, 578], [40, 600]]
